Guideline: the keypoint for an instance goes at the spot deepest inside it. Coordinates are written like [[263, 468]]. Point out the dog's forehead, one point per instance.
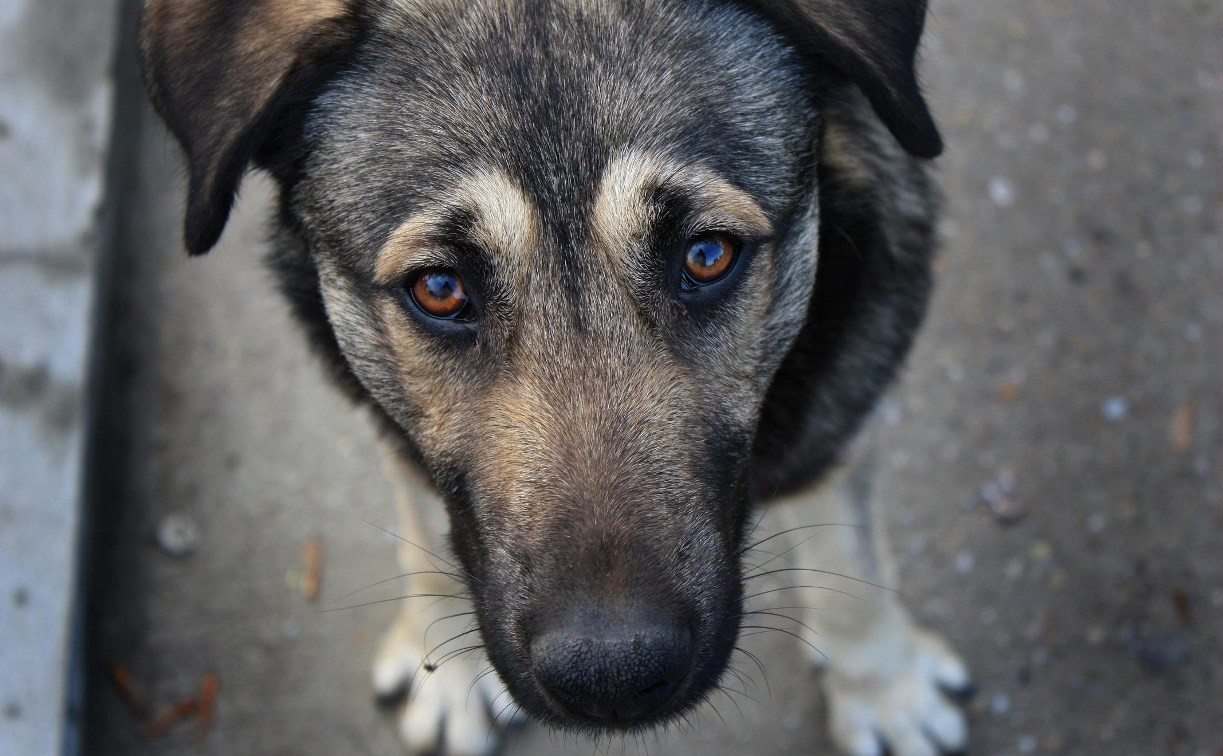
[[546, 96]]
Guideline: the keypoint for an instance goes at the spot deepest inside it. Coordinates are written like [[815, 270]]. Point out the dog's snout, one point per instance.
[[612, 668]]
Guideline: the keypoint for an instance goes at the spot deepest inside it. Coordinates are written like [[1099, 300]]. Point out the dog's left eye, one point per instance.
[[440, 294], [708, 258]]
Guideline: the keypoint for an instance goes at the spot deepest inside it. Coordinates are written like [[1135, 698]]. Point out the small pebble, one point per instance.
[[1115, 409], [1034, 630], [1193, 205], [1195, 159], [1057, 579], [1201, 466], [1038, 133], [1041, 551], [1013, 81], [1067, 114], [1040, 656], [998, 494], [178, 535], [1096, 522], [1027, 744], [1216, 598], [12, 711], [1193, 332], [1095, 635], [964, 562], [1001, 191], [1097, 160], [1000, 703], [1013, 569], [21, 597]]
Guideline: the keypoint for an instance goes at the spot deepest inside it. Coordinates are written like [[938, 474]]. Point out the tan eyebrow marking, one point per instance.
[[622, 211], [396, 254], [504, 222]]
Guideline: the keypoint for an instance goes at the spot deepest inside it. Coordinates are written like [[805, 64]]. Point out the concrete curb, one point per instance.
[[56, 103]]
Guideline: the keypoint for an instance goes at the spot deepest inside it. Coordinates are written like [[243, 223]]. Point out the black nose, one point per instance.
[[612, 668]]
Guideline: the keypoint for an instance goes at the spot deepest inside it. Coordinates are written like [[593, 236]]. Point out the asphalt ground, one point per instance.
[[1053, 457]]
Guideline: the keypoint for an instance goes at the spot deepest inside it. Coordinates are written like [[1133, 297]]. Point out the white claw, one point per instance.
[[907, 710]]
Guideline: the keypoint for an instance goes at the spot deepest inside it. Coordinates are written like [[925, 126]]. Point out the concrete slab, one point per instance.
[[1069, 377], [55, 107]]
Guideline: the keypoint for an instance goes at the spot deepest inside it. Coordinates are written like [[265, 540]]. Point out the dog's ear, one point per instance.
[[220, 73], [874, 44]]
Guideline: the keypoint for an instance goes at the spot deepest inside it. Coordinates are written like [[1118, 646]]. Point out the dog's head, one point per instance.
[[565, 244]]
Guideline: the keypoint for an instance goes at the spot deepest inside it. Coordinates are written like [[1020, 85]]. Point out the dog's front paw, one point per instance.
[[906, 711], [449, 697]]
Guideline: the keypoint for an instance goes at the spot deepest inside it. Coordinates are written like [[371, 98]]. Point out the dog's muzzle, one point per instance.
[[612, 667]]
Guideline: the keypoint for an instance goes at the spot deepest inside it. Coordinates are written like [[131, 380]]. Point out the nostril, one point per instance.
[[658, 693], [658, 687]]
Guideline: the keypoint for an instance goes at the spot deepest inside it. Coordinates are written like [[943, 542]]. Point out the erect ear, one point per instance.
[[874, 44], [220, 73]]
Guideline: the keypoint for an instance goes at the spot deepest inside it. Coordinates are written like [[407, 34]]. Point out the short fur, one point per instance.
[[596, 436]]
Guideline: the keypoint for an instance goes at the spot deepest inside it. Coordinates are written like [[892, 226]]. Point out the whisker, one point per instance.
[[422, 548], [474, 680], [775, 557], [430, 667], [788, 617], [449, 655], [452, 575], [396, 598], [792, 634], [728, 691], [759, 665], [797, 587], [502, 711], [718, 713], [744, 680], [464, 614], [781, 608], [745, 549], [823, 572]]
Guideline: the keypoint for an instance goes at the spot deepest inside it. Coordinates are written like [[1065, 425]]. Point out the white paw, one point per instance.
[[447, 707], [906, 712]]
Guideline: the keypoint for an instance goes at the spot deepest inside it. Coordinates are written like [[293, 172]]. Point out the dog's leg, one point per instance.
[[886, 677], [444, 705]]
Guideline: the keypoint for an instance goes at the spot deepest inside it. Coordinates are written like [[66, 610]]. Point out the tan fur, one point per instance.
[[506, 223], [844, 161], [622, 213]]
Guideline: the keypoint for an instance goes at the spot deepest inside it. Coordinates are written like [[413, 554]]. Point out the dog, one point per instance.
[[609, 274]]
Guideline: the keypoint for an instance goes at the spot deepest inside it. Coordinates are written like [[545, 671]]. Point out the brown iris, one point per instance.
[[708, 258], [440, 293]]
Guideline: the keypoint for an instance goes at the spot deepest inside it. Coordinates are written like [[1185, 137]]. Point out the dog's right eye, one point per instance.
[[440, 294]]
